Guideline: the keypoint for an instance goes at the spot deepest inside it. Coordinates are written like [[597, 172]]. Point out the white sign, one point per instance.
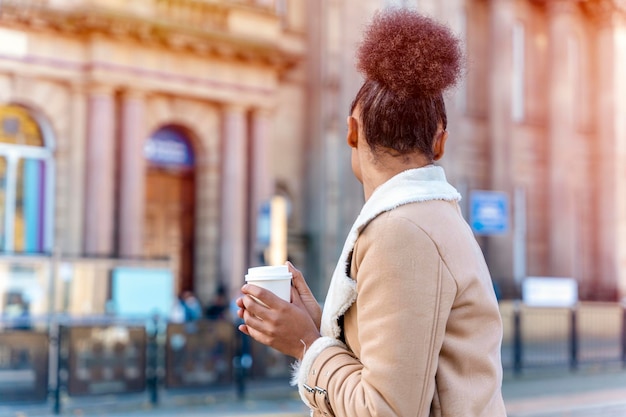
[[549, 292]]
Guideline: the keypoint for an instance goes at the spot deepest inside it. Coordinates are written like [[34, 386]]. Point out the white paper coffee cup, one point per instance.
[[276, 279]]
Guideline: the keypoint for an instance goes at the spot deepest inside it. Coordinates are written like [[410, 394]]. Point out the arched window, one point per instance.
[[25, 183]]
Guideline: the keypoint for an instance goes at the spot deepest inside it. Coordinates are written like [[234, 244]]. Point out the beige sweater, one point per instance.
[[414, 330]]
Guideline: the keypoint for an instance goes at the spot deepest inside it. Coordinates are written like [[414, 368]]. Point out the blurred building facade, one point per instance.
[[539, 116], [142, 134], [151, 134]]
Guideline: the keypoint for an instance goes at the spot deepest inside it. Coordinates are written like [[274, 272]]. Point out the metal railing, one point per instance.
[[100, 357], [79, 359], [588, 334]]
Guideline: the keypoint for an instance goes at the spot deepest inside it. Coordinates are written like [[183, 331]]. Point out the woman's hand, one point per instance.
[[301, 290], [286, 327]]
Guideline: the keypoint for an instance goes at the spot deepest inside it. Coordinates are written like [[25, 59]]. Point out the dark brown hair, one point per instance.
[[408, 61]]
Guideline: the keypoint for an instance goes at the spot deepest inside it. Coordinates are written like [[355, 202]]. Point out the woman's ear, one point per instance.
[[353, 132], [439, 145]]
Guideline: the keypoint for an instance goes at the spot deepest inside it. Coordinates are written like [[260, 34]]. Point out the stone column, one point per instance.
[[132, 175], [562, 138], [261, 178], [234, 222], [76, 173], [619, 121], [502, 19], [611, 137], [100, 171]]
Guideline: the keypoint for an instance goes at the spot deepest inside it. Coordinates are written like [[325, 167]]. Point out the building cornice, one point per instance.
[[605, 10], [208, 36], [602, 11]]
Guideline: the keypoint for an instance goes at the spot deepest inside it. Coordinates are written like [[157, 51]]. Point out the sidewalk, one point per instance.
[[580, 394], [274, 398], [586, 393]]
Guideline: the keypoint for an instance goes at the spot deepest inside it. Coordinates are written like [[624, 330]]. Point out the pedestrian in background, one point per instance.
[[219, 306], [411, 325], [186, 308], [16, 312]]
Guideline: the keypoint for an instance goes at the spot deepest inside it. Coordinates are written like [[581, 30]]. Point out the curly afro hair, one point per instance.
[[409, 53], [408, 61]]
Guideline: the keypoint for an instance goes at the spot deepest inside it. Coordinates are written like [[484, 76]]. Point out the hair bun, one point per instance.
[[409, 53]]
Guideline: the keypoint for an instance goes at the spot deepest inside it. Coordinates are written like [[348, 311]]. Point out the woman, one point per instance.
[[410, 325]]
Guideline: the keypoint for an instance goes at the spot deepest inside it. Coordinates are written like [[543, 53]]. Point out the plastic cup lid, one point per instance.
[[278, 277], [272, 270]]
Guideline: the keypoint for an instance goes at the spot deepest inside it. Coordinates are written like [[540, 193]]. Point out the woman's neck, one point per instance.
[[383, 166]]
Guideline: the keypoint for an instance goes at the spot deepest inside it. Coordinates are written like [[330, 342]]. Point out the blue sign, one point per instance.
[[169, 147], [489, 212]]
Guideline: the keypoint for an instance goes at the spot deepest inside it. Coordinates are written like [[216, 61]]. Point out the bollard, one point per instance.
[[573, 361], [517, 340]]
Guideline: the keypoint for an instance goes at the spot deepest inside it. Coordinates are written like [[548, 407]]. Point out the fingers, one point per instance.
[[298, 279], [254, 306], [252, 321], [295, 272], [267, 298], [244, 329], [295, 297], [261, 329]]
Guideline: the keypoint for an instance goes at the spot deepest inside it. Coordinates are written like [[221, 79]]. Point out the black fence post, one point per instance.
[[153, 365], [242, 361], [573, 362], [60, 365], [517, 340]]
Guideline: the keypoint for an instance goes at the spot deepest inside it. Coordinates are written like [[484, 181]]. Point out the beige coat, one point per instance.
[[415, 329]]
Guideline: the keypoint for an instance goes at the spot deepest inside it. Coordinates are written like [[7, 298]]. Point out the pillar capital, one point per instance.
[[234, 108], [99, 89], [263, 112], [133, 94]]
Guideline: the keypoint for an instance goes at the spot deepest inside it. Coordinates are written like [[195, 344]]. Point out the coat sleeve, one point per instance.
[[405, 294]]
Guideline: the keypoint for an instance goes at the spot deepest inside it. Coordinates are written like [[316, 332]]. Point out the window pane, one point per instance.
[[18, 127], [29, 206]]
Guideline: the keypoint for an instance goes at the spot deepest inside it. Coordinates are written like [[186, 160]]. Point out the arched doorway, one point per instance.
[[26, 182], [169, 220]]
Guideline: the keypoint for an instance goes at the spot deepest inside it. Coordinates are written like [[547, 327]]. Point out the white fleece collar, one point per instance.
[[414, 185]]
